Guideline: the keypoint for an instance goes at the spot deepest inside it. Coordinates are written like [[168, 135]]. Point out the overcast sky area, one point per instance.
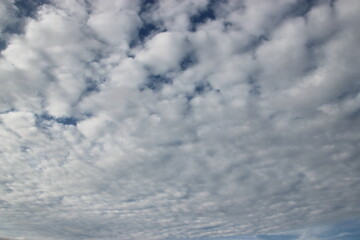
[[180, 119]]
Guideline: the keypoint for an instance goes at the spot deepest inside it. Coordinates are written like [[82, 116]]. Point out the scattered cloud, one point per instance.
[[177, 119]]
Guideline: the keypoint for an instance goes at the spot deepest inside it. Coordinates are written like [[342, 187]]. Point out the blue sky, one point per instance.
[[191, 119]]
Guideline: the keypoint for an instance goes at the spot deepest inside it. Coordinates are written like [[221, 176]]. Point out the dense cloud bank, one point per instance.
[[177, 119]]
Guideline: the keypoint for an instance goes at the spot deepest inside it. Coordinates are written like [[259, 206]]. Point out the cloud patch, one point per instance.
[[178, 119]]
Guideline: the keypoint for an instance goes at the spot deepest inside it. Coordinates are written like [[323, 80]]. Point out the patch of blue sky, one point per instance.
[[202, 16], [28, 8], [155, 82], [61, 120]]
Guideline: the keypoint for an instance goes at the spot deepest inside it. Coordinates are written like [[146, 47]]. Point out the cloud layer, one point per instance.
[[177, 119]]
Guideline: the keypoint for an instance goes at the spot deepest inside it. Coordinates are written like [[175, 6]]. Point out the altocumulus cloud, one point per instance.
[[177, 119]]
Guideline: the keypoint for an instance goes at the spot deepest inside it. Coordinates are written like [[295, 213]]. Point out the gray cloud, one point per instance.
[[242, 121]]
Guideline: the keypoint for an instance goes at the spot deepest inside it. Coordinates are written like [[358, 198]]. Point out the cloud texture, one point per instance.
[[177, 119]]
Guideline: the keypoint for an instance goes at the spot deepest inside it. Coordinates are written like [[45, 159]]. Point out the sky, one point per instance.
[[169, 119]]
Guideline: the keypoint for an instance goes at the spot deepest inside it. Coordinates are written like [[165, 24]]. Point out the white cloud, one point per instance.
[[114, 25], [175, 14], [246, 125], [163, 52]]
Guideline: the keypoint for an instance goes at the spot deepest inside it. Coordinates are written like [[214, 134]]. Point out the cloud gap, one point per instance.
[[188, 61], [28, 8], [146, 30], [61, 120], [149, 26], [147, 5], [3, 44], [199, 89], [202, 88], [92, 86], [155, 82], [203, 16], [23, 9]]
